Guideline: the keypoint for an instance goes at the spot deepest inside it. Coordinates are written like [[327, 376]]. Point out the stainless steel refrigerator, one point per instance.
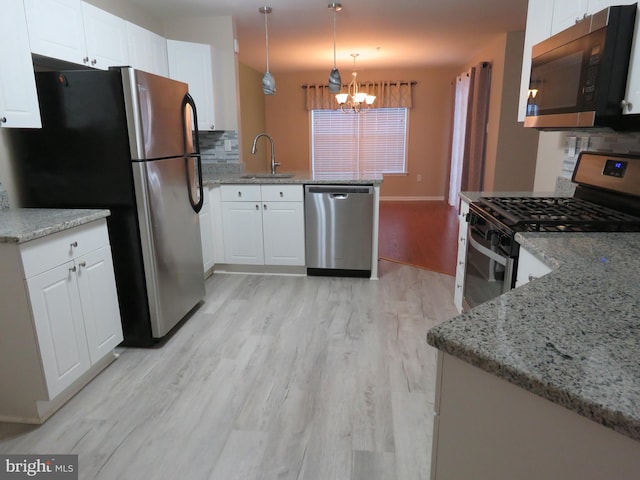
[[123, 139]]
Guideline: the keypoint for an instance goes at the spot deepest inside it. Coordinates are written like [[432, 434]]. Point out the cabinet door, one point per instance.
[[458, 293], [57, 316], [56, 29], [191, 63], [106, 38], [529, 268], [206, 236], [283, 230], [539, 17], [242, 225], [567, 13], [147, 50], [18, 96], [99, 300]]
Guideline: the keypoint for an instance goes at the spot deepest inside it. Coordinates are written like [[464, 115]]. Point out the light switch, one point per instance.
[[227, 145]]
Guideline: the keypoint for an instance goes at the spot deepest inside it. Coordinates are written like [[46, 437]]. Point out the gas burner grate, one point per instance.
[[557, 214]]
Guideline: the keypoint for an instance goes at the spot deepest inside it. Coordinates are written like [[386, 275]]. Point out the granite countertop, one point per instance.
[[572, 336], [210, 179], [18, 225]]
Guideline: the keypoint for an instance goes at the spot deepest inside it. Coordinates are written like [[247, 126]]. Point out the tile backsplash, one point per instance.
[[220, 153], [608, 142]]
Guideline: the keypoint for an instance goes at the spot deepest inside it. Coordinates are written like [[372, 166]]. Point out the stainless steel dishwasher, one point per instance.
[[338, 229]]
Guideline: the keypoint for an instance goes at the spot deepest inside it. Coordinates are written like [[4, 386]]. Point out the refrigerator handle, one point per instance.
[[186, 132]]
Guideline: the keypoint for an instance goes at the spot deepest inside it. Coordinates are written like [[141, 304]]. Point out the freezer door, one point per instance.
[[156, 121], [170, 232]]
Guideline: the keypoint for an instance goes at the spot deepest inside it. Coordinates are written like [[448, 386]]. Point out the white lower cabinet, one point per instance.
[[61, 320], [206, 237], [529, 267], [263, 224], [458, 294]]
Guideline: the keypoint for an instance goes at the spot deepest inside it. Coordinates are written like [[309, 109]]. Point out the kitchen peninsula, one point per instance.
[[259, 246], [544, 381]]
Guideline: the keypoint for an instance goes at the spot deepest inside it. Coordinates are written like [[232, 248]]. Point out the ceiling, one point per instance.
[[385, 33]]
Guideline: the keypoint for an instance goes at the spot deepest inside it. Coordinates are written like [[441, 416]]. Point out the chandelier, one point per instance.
[[354, 100]]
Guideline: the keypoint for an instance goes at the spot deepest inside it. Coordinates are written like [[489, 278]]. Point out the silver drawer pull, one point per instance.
[[73, 245], [281, 194], [257, 207], [239, 194], [73, 269], [532, 277], [82, 264]]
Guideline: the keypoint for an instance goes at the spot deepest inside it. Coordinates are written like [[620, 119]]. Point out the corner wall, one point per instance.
[[511, 149]]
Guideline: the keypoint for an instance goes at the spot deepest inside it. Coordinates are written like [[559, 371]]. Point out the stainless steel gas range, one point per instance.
[[607, 198]]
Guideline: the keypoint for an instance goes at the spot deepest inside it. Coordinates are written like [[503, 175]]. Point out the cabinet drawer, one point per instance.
[[44, 253], [282, 193], [240, 193]]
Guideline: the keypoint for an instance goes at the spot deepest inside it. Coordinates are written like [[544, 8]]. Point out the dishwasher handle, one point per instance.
[[338, 196], [336, 190]]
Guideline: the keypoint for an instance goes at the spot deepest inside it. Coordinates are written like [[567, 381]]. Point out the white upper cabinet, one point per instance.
[[106, 38], [76, 32], [567, 13], [539, 18], [596, 5], [147, 50], [191, 63], [56, 29], [18, 96]]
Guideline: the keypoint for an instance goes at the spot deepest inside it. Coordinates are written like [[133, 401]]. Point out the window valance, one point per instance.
[[388, 95]]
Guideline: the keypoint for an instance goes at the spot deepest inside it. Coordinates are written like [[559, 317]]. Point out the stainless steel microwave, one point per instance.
[[579, 75]]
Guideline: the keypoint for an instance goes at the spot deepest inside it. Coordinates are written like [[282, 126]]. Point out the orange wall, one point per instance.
[[429, 125]]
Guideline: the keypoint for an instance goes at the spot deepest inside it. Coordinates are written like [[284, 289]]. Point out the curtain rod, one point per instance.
[[413, 82]]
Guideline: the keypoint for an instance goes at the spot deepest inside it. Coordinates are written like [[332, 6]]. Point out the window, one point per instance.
[[371, 142]]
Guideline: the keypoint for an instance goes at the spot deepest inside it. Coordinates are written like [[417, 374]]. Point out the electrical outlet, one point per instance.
[[419, 178], [227, 145]]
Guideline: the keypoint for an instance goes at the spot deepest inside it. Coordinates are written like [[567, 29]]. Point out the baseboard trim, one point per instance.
[[411, 199]]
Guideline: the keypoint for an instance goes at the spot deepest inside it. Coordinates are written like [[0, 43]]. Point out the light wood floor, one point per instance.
[[273, 378], [422, 234]]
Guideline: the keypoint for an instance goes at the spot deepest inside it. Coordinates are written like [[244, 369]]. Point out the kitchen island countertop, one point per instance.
[[211, 179], [572, 336], [18, 225]]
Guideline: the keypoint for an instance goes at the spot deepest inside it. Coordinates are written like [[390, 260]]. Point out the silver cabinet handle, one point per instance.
[[3, 120], [239, 194], [212, 126], [82, 264], [257, 207], [73, 269], [73, 245], [532, 277], [264, 206], [626, 106], [281, 194], [94, 61]]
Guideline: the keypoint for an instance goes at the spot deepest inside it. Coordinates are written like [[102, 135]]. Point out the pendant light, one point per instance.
[[335, 82], [268, 82]]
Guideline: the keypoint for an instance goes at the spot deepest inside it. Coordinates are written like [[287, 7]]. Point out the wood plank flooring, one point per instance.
[[274, 377], [422, 234]]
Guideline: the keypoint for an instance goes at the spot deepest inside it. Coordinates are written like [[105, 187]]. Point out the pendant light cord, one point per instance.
[[334, 37], [266, 36]]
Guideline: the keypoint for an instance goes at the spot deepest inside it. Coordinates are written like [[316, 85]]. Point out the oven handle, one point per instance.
[[489, 253]]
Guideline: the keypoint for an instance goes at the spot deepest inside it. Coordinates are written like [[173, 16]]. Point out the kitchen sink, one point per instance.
[[267, 175]]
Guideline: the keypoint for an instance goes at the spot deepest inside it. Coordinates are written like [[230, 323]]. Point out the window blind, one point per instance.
[[370, 142]]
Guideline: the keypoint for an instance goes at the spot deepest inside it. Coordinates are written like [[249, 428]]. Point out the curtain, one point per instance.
[[459, 141], [388, 95], [468, 139]]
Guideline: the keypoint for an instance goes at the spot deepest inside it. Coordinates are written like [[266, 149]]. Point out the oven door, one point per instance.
[[490, 270]]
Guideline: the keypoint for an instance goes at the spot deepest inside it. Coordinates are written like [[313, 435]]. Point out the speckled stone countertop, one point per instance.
[[572, 336], [211, 179], [19, 225]]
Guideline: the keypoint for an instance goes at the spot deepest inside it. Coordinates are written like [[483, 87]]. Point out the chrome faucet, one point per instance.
[[274, 164]]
